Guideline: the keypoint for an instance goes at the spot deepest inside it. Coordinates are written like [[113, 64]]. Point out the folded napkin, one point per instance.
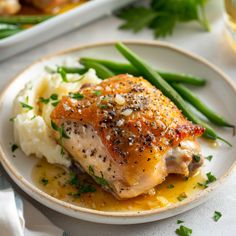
[[15, 222]]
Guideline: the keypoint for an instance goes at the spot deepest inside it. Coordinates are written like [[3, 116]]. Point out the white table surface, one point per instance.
[[212, 46]]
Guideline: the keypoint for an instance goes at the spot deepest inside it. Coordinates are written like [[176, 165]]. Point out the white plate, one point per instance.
[[219, 93], [58, 25]]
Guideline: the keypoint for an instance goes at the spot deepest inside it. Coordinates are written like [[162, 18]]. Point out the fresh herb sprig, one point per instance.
[[163, 15]]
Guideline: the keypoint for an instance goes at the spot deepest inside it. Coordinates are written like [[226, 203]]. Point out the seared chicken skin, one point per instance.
[[127, 135]]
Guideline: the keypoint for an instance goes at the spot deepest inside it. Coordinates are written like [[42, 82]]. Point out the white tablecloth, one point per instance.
[[212, 46]]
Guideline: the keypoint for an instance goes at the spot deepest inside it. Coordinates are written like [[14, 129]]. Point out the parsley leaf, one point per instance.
[[103, 106], [44, 181], [82, 187], [54, 125], [99, 180], [182, 196], [170, 186], [85, 188], [217, 216], [210, 179], [74, 179], [14, 147], [61, 132], [77, 96], [54, 96], [209, 158], [196, 158], [136, 18], [25, 105], [97, 92], [183, 231], [12, 119], [44, 100], [179, 221], [163, 25], [163, 15]]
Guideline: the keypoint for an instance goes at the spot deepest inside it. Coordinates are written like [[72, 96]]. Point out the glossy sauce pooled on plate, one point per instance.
[[59, 183]]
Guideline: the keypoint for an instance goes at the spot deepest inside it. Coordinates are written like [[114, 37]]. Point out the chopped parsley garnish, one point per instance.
[[82, 187], [26, 106], [209, 158], [196, 158], [170, 186], [179, 221], [14, 147], [183, 231], [210, 179], [182, 196], [12, 119], [54, 96], [103, 106], [44, 181], [77, 96], [62, 134], [104, 98], [97, 92], [44, 100], [60, 130], [33, 117], [99, 180], [85, 188], [54, 126], [74, 179], [217, 216], [186, 178]]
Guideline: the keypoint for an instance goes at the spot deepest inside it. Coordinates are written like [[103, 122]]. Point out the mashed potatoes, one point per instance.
[[32, 109]]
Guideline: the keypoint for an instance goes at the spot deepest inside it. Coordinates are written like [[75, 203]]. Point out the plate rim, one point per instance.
[[27, 186]]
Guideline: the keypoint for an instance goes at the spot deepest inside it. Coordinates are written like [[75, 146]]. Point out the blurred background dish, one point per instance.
[[50, 19]]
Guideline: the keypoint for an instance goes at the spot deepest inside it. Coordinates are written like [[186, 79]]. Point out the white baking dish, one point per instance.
[[58, 25]]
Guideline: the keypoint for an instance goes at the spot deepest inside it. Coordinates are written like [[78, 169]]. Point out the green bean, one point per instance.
[[24, 19], [8, 26], [194, 100], [9, 32], [154, 78], [120, 68], [102, 71]]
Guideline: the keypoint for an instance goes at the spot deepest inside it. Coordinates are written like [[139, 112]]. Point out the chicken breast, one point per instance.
[[127, 135]]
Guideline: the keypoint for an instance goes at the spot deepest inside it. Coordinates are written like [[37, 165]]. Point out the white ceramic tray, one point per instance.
[[58, 25]]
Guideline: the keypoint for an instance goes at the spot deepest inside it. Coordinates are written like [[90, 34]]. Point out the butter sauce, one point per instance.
[[55, 181]]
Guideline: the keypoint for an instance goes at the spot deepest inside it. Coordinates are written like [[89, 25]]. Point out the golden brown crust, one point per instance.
[[135, 121]]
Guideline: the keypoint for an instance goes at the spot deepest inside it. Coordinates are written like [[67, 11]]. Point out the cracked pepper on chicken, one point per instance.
[[126, 133]]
